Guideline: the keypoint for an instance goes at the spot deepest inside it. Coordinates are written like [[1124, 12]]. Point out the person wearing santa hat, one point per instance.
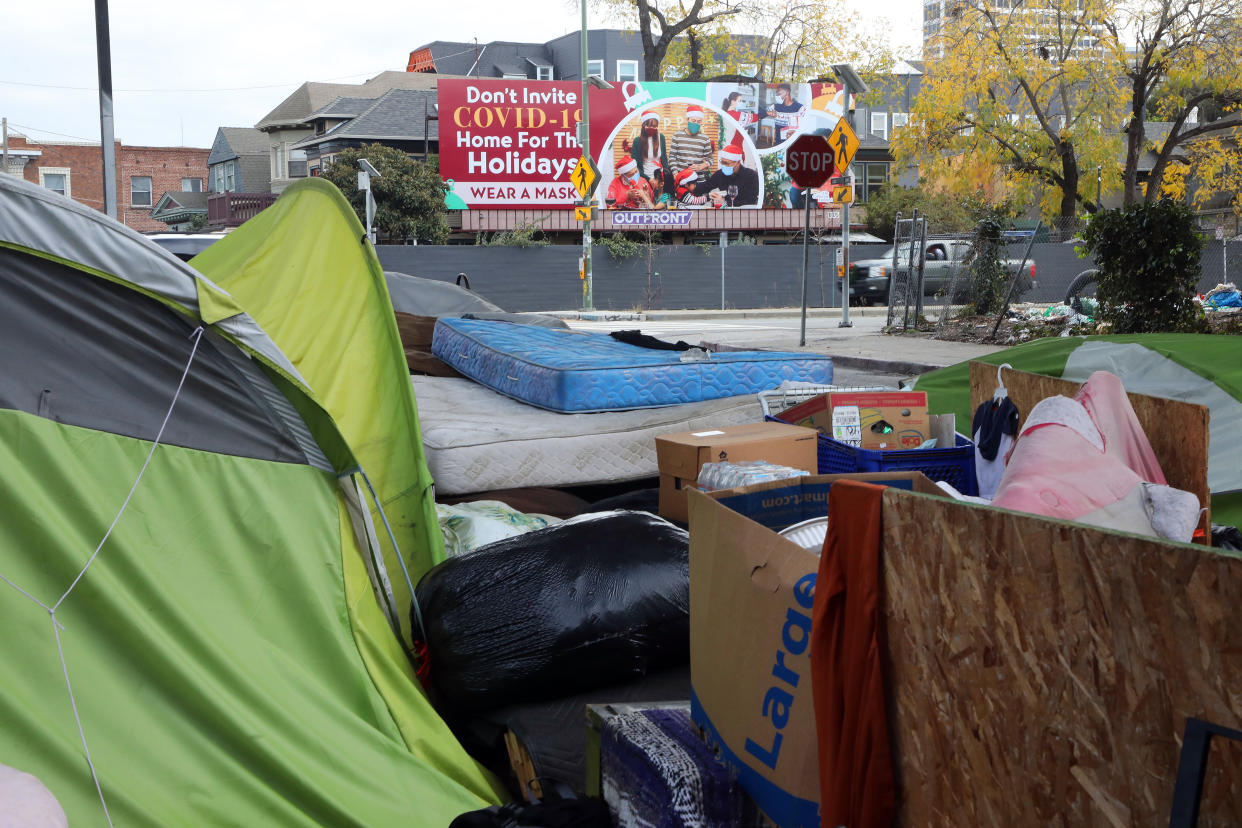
[[650, 149], [734, 184], [629, 190], [691, 149]]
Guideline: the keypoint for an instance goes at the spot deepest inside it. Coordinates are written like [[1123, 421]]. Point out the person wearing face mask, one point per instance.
[[629, 190], [649, 148], [691, 149], [733, 185], [787, 112]]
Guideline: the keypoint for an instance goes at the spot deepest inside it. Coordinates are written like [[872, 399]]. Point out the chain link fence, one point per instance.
[[1044, 266]]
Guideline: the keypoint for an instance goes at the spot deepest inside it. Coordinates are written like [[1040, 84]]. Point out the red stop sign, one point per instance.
[[809, 161]]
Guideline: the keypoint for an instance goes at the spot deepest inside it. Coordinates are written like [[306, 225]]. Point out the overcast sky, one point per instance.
[[181, 70]]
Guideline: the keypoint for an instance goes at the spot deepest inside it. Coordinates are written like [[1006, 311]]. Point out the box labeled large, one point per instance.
[[751, 596], [681, 455]]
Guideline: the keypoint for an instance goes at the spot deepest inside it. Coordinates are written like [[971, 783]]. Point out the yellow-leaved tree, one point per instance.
[[1182, 63], [1021, 105]]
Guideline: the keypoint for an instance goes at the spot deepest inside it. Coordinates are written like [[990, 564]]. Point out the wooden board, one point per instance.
[[1041, 672], [1178, 431], [416, 333]]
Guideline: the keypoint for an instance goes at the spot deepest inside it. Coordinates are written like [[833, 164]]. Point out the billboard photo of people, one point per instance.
[[657, 146]]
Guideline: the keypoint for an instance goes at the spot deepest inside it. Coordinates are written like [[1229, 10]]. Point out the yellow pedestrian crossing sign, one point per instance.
[[844, 144], [585, 176]]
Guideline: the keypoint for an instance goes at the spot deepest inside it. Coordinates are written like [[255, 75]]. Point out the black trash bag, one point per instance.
[[596, 600], [556, 813], [1226, 537]]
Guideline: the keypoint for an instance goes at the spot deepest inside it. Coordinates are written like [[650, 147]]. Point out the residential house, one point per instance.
[[75, 169], [180, 210], [288, 123], [616, 55], [240, 177], [401, 118]]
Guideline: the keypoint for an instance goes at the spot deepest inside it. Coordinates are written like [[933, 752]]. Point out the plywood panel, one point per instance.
[[1041, 672], [1178, 431]]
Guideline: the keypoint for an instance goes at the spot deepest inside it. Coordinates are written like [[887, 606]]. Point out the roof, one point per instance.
[[175, 202], [342, 107], [502, 56], [397, 115], [234, 142], [313, 96]]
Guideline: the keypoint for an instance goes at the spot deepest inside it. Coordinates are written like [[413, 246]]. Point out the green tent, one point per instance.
[[305, 271], [1198, 368], [191, 629]]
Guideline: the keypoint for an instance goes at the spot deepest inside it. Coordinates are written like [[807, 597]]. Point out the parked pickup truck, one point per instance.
[[869, 278]]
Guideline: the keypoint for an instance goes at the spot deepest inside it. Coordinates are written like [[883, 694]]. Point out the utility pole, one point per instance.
[[584, 138], [103, 52], [4, 143]]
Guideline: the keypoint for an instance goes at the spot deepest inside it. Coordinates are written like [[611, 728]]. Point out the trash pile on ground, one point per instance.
[[456, 566], [1221, 299]]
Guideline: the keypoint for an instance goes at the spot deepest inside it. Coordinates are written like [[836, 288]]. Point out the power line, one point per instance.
[[94, 140], [220, 89]]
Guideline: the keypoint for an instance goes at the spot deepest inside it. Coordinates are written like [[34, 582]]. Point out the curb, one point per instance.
[[665, 316], [884, 366]]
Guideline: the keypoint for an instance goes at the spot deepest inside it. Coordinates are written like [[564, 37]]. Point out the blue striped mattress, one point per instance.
[[574, 371]]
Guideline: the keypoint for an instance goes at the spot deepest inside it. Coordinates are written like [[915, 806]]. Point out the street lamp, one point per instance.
[[852, 85], [364, 184]]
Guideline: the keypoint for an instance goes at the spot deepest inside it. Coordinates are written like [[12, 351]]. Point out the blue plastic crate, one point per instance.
[[956, 465]]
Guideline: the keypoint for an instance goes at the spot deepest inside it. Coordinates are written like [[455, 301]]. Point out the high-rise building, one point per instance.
[[1041, 19]]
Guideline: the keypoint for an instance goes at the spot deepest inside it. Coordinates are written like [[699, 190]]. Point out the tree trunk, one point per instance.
[[1069, 180], [1134, 141]]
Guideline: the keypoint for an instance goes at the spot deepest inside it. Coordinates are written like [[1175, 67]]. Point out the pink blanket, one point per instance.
[[1065, 465]]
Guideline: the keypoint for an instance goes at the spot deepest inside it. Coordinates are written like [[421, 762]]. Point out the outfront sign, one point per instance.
[[656, 146]]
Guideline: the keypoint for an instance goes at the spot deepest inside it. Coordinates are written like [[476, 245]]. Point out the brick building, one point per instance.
[[144, 174]]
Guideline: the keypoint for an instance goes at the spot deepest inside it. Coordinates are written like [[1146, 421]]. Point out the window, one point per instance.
[[55, 179], [278, 161], [544, 72], [900, 119], [229, 170], [870, 176], [297, 163], [595, 67], [513, 76], [140, 191], [191, 185], [879, 124], [627, 70]]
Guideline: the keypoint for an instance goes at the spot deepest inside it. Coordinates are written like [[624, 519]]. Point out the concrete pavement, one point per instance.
[[864, 345]]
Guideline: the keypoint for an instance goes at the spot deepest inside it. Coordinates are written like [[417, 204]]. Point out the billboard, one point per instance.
[[658, 146]]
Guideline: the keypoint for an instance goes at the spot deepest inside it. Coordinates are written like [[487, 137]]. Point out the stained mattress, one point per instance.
[[574, 371], [478, 441]]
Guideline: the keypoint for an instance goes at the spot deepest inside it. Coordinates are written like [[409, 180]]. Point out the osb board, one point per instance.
[[1041, 672], [1178, 431], [415, 330]]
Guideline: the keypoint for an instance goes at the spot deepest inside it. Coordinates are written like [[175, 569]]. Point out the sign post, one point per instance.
[[844, 144], [808, 161]]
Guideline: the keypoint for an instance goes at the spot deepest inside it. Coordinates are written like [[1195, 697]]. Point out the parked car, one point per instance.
[[942, 260]]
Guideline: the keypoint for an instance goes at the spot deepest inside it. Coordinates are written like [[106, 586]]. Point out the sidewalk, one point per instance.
[[862, 346]]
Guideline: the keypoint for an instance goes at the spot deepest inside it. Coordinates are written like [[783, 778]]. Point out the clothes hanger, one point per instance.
[[1001, 392]]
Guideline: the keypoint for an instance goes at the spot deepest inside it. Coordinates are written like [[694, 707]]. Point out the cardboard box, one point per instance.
[[681, 455], [751, 594], [885, 419]]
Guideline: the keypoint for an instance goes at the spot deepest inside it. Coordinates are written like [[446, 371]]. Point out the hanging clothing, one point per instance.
[[993, 429], [856, 778]]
